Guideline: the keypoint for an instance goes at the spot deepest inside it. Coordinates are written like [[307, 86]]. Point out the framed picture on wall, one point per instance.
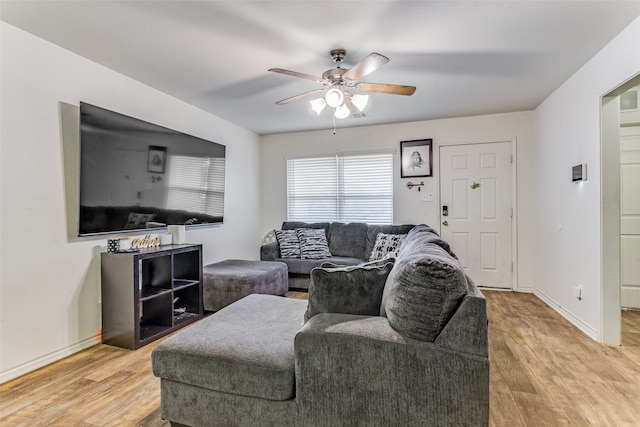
[[416, 158], [157, 159]]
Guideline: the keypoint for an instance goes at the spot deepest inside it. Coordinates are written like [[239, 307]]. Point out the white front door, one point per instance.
[[475, 199], [128, 185], [630, 216]]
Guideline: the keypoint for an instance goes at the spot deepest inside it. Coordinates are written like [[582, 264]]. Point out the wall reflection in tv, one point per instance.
[[136, 175]]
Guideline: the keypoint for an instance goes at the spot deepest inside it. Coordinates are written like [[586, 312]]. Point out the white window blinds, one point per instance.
[[196, 184], [345, 188]]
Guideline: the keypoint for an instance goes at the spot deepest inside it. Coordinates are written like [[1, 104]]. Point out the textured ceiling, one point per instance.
[[465, 58]]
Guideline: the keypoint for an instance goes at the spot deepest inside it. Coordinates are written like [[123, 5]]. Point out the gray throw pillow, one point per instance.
[[348, 240], [423, 291], [355, 289], [288, 242], [313, 243]]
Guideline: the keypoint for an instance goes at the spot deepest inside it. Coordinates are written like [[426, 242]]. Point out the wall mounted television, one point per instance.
[[136, 175]]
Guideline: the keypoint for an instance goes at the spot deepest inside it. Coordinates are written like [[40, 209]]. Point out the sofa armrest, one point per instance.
[[468, 329], [270, 252], [357, 370]]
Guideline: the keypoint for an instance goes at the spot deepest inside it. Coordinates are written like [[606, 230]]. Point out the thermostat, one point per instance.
[[579, 172]]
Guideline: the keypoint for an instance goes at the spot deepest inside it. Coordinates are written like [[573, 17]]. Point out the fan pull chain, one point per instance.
[[334, 121]]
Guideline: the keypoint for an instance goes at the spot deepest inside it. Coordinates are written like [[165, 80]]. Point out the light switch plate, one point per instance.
[[427, 197]]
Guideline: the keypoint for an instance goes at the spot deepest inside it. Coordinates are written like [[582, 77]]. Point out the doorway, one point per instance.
[[630, 198], [620, 194]]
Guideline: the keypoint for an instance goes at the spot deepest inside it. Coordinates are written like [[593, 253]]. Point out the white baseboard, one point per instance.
[[523, 289], [586, 329], [48, 359]]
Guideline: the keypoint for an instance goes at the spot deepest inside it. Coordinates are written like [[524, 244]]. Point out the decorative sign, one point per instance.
[[148, 241], [127, 244]]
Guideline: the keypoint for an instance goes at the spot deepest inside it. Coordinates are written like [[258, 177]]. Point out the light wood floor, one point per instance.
[[543, 372]]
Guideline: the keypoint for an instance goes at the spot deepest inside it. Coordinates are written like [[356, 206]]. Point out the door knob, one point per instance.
[[445, 223]]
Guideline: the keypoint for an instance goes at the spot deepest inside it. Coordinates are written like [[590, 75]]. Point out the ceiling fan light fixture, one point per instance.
[[334, 97], [339, 85], [342, 112], [360, 101], [318, 105]]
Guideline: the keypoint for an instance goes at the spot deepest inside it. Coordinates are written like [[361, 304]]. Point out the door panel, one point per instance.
[[630, 216], [475, 185], [488, 251], [460, 207], [460, 241], [488, 199]]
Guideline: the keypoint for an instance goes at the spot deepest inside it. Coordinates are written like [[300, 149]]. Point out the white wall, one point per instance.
[[49, 279], [407, 205], [567, 215]]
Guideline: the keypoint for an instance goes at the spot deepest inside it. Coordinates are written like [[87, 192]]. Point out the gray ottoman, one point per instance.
[[228, 281]]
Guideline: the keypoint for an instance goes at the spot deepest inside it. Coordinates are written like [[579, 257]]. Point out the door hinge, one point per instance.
[[510, 158], [512, 267], [511, 212]]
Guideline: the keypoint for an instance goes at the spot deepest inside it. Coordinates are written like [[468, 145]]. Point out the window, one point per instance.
[[196, 184], [342, 187]]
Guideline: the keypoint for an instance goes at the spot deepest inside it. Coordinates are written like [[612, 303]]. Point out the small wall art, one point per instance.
[[157, 159], [416, 158]]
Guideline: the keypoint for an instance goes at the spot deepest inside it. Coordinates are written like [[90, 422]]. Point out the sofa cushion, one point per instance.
[[304, 266], [423, 291], [292, 225], [244, 349], [373, 230], [289, 243], [353, 289], [313, 243], [386, 244], [348, 240]]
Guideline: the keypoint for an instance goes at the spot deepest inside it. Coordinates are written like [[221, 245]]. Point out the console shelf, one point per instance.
[[149, 294]]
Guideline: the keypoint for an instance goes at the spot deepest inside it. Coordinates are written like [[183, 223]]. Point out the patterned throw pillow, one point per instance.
[[386, 245], [313, 243], [288, 242], [138, 220]]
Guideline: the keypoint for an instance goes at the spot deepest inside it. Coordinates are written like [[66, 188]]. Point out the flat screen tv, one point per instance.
[[136, 175]]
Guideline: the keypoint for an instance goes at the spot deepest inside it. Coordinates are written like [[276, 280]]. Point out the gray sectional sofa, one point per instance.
[[350, 244], [415, 354]]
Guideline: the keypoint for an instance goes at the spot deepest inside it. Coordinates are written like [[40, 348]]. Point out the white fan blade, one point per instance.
[[301, 95], [297, 74], [366, 66]]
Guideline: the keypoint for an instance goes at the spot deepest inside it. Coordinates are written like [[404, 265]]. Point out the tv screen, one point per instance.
[[136, 175]]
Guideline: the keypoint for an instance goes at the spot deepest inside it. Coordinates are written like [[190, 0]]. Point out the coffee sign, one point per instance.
[[148, 241]]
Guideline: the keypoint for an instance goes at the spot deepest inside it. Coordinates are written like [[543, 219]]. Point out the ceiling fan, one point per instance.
[[342, 86]]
